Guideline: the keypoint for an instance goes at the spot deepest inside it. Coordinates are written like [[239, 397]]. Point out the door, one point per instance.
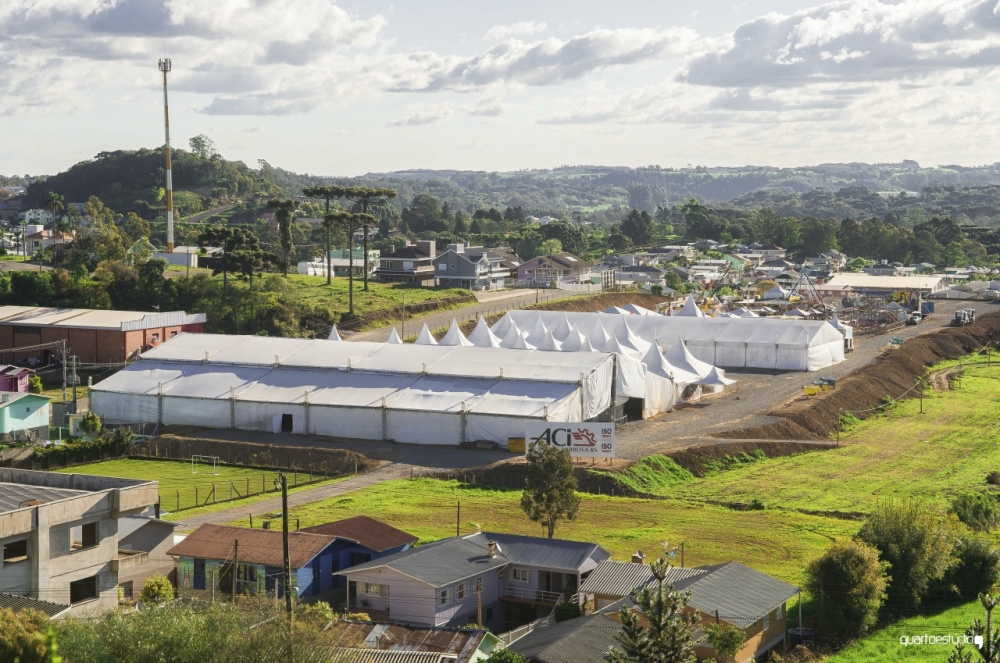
[[286, 423], [199, 574]]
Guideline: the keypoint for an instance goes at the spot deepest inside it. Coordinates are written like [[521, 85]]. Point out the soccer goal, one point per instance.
[[205, 464]]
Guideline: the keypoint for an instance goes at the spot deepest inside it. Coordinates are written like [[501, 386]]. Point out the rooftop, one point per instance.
[[842, 280], [37, 316], [23, 489], [257, 546], [8, 398], [15, 496], [365, 531], [17, 603], [581, 640], [370, 638]]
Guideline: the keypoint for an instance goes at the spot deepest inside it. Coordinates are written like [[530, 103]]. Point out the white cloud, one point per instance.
[[419, 119], [501, 32]]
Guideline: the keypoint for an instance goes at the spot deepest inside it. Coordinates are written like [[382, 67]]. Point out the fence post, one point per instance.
[[178, 501], [196, 495], [248, 487]]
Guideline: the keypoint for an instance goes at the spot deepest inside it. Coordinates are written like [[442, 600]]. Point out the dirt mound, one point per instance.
[[694, 459], [894, 374]]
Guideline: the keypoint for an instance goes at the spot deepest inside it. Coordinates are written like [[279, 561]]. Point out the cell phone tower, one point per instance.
[[165, 68]]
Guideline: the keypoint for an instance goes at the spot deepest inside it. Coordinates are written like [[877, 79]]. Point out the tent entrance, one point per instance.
[[633, 409], [286, 423]]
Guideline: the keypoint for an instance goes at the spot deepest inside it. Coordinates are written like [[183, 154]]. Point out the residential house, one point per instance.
[[59, 535], [412, 264], [509, 261], [884, 268], [39, 216], [720, 593], [143, 545], [514, 579], [924, 268], [640, 274], [359, 234], [360, 540], [205, 561], [46, 239], [15, 378], [24, 416], [397, 643], [664, 255], [341, 263], [706, 245], [470, 267], [786, 278], [767, 250], [544, 271]]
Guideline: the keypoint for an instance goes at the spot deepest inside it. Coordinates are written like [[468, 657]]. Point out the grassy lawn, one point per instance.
[[948, 449], [176, 477], [885, 645], [774, 542], [380, 296]]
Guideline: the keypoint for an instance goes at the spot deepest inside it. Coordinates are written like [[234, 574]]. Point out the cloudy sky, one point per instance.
[[353, 86]]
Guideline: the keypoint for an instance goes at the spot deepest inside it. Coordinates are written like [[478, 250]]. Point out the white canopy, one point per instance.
[[635, 309], [690, 309], [511, 336], [334, 334], [562, 329], [679, 356], [777, 292], [599, 337], [425, 338], [521, 342], [549, 343], [482, 336], [455, 336], [744, 312], [716, 378], [617, 310], [394, 337], [798, 313], [577, 342]]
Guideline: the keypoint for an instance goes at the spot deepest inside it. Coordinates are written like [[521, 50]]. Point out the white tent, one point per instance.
[[799, 313], [425, 338], [716, 378], [777, 292], [394, 337], [690, 309], [635, 309], [521, 342], [482, 336], [369, 391], [790, 344], [549, 343], [577, 342], [455, 336], [562, 329], [681, 357], [617, 310], [511, 336], [334, 334], [538, 332], [744, 312]]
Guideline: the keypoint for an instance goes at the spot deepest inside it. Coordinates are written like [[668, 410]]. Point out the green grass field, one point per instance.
[[176, 478]]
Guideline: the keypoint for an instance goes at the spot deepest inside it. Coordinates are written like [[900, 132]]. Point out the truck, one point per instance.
[[964, 316]]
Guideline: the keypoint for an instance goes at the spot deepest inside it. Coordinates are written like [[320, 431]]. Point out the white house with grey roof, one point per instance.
[[520, 579], [471, 267], [60, 538]]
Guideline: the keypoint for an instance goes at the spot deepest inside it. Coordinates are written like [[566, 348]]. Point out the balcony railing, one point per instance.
[[530, 595], [129, 559]]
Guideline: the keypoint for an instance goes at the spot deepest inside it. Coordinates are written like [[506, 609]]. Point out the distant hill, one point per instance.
[[132, 181]]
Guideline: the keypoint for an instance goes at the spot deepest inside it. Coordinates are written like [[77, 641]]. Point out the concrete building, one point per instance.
[[844, 284], [143, 542], [24, 416], [409, 264], [470, 267], [94, 337], [59, 534]]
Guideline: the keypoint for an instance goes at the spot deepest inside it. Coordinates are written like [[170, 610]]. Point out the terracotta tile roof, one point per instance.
[[257, 546], [368, 532]]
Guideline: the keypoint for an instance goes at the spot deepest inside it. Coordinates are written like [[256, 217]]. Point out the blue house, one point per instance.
[[206, 557]]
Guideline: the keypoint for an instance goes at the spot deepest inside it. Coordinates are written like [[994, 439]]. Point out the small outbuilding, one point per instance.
[[24, 416]]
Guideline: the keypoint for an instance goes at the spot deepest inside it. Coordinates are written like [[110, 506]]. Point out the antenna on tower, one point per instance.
[[165, 68]]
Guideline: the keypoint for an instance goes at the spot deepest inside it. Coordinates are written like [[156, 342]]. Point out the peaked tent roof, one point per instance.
[[521, 342], [334, 334], [482, 336], [777, 292], [425, 337], [394, 337], [599, 337], [538, 331], [690, 309], [577, 341], [716, 377], [562, 329], [656, 363], [512, 336], [550, 343], [455, 336], [635, 309], [681, 357]]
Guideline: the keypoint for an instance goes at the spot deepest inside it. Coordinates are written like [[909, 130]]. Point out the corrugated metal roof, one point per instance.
[[17, 603], [569, 556], [92, 318], [15, 396], [12, 495], [449, 641], [857, 281], [344, 655], [612, 578], [580, 640], [368, 532], [257, 546]]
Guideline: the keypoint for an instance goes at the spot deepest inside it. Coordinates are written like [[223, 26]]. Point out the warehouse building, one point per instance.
[[94, 337]]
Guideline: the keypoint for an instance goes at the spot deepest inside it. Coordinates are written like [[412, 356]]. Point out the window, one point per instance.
[[444, 597], [780, 613], [442, 266], [371, 589], [83, 590], [172, 334], [360, 558], [488, 617], [125, 590], [463, 590], [15, 551], [520, 575], [767, 621], [156, 338], [83, 536]]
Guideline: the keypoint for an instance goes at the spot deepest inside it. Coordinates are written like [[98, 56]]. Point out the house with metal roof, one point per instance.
[[360, 540], [24, 416], [497, 580], [369, 642], [470, 267], [729, 593], [15, 378]]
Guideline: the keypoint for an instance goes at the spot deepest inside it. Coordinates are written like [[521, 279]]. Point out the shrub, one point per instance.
[[35, 385], [21, 635], [156, 590], [756, 504], [978, 567], [358, 617], [505, 656], [853, 582], [993, 478], [317, 614], [848, 421], [726, 640], [91, 424], [566, 611], [977, 510], [917, 544]]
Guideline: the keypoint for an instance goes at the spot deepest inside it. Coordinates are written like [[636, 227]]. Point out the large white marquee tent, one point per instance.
[[732, 342], [422, 394]]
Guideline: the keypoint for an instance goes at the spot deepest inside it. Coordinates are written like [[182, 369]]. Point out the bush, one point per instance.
[[566, 611], [156, 590], [853, 582], [358, 617], [916, 543], [756, 504], [35, 385], [21, 635], [848, 421], [91, 424], [977, 570], [726, 640], [505, 656], [993, 478], [977, 510], [317, 614]]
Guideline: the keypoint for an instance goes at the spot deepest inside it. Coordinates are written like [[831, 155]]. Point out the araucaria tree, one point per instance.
[[327, 193], [549, 486], [658, 629], [364, 197], [989, 651], [284, 210]]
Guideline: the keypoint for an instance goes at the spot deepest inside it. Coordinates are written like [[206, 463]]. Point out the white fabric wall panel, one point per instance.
[[424, 427], [761, 355], [493, 428], [733, 355], [207, 412], [631, 378], [359, 423], [127, 408], [702, 349], [252, 415]]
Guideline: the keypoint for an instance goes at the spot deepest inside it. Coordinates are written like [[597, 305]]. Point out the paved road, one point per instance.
[[441, 320], [758, 391], [307, 496], [11, 266], [195, 218]]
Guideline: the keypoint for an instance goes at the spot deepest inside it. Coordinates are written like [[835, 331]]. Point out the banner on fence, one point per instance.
[[583, 440]]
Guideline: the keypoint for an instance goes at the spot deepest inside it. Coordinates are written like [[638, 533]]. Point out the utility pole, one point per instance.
[[64, 371], [479, 602], [75, 380], [236, 564], [402, 326], [284, 541], [165, 68], [458, 519]]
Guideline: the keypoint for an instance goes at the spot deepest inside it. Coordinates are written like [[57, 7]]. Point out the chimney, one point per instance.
[[6, 398], [392, 248], [426, 246], [491, 549], [638, 557], [457, 248]]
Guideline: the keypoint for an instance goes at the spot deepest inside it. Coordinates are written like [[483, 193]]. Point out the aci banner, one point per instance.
[[586, 440]]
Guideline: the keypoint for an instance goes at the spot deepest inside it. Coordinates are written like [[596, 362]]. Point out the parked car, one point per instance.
[[914, 319]]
